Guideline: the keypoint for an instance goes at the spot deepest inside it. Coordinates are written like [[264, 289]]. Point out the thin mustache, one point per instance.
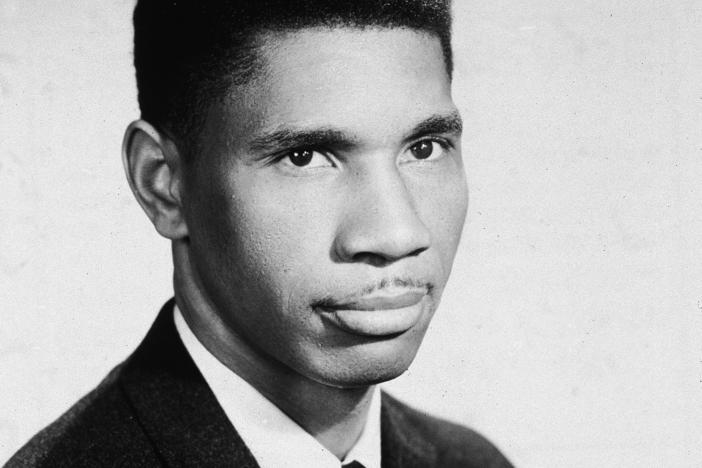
[[385, 283]]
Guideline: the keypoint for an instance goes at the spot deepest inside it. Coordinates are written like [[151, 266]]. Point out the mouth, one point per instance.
[[380, 314]]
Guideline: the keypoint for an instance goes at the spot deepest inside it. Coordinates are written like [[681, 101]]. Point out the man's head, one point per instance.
[[316, 211]]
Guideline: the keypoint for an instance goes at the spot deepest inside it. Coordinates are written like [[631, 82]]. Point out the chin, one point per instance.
[[355, 379], [368, 364]]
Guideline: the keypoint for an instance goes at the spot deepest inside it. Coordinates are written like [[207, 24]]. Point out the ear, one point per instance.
[[152, 164]]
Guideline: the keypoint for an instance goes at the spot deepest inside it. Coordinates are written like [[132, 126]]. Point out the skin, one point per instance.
[[274, 260]]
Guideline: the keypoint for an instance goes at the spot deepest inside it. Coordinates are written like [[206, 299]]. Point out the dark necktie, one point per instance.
[[353, 464]]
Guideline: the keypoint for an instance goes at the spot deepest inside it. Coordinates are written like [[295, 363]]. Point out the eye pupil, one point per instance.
[[422, 150], [301, 158]]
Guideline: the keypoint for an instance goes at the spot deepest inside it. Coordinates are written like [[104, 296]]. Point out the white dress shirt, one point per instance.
[[273, 438]]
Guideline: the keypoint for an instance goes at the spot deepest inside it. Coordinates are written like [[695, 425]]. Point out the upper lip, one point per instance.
[[383, 299]]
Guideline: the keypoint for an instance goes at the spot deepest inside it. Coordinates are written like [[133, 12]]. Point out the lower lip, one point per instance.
[[377, 322]]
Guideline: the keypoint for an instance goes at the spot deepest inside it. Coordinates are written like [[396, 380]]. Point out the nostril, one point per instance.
[[383, 258], [416, 252], [371, 259]]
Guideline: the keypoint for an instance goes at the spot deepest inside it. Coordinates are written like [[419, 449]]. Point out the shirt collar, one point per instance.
[[272, 437]]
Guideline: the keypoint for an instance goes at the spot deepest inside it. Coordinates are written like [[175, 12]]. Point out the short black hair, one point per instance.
[[189, 52]]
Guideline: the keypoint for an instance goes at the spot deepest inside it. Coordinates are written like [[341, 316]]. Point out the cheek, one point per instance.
[[282, 235], [442, 202], [260, 252]]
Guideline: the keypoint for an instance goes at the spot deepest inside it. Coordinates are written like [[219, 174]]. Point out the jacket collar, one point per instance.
[[183, 419], [402, 444], [174, 404]]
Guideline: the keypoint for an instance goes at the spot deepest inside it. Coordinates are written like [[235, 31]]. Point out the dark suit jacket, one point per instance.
[[155, 409]]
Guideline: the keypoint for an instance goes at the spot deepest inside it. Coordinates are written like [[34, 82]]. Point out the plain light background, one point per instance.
[[571, 331]]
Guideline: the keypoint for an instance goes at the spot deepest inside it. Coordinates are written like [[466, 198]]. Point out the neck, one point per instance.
[[334, 416]]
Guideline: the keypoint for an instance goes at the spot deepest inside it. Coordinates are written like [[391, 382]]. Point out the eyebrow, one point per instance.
[[329, 137], [294, 138], [438, 124]]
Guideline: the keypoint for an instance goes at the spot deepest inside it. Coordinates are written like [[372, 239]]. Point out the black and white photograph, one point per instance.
[[351, 234]]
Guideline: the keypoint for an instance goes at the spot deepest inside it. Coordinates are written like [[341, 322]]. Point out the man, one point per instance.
[[304, 160]]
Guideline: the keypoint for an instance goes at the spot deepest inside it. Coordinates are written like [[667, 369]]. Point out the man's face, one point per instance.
[[325, 210]]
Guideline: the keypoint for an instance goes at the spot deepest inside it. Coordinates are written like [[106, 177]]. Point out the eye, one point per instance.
[[427, 149], [305, 158]]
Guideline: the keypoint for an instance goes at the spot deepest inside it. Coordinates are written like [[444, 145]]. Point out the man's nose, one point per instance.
[[381, 224]]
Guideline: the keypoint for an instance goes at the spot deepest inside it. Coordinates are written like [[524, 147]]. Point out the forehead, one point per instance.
[[371, 82]]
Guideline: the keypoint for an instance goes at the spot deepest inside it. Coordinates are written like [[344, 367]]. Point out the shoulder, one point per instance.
[[99, 429], [455, 445]]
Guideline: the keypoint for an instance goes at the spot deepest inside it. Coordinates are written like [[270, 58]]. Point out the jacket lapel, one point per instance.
[[402, 446], [175, 406]]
